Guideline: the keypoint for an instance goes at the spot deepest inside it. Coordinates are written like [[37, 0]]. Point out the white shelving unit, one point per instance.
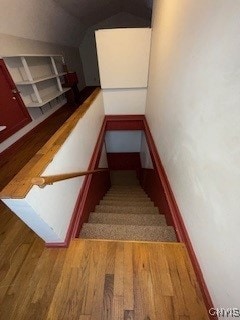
[[40, 89], [47, 99], [36, 80]]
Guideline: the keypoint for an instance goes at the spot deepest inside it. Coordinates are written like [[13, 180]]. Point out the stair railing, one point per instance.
[[47, 180]]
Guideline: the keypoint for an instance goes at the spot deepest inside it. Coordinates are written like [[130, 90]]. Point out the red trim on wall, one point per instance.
[[124, 161], [93, 189], [129, 122], [152, 185]]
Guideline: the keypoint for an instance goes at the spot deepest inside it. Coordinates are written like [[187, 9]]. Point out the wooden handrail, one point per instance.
[[43, 181]]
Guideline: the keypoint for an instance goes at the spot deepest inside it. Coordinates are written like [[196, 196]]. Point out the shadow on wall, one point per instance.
[[88, 49]]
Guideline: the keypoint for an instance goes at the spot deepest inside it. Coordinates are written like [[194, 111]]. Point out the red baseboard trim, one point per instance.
[[152, 185], [176, 216], [55, 245]]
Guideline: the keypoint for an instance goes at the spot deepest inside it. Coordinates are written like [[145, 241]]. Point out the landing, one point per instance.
[[93, 280]]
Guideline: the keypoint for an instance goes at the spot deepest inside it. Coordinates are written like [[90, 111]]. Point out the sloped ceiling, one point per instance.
[[90, 12]]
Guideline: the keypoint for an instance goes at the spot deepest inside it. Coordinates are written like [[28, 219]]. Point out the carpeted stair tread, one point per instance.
[[127, 192], [119, 187], [126, 188], [127, 203], [126, 209], [127, 232], [126, 197], [128, 219], [121, 200], [140, 199], [132, 193], [129, 195], [127, 213]]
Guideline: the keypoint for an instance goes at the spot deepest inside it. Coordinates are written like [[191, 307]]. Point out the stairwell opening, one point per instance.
[[129, 210]]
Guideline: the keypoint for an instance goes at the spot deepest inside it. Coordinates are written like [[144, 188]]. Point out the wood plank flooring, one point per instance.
[[94, 280]]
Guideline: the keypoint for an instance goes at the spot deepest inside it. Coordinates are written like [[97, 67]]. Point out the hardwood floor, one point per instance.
[[94, 280], [90, 280]]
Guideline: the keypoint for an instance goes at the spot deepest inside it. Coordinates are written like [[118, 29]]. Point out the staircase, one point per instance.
[[127, 213]]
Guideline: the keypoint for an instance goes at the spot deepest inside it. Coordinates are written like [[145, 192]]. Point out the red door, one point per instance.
[[13, 113]]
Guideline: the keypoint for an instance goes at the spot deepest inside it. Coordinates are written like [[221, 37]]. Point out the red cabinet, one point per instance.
[[13, 113], [71, 80]]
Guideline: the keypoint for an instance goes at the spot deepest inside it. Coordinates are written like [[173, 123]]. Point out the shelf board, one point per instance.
[[47, 99], [25, 83], [33, 55]]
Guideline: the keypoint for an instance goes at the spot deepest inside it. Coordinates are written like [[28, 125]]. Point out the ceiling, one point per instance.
[[91, 12]]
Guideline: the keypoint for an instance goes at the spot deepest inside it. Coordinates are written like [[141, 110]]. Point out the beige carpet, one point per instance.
[[127, 213]]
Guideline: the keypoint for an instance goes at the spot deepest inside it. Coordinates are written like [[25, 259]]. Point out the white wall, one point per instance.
[[123, 57], [123, 141], [125, 101], [10, 45], [129, 141], [40, 20], [146, 160], [88, 45], [103, 163], [193, 112], [48, 211]]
